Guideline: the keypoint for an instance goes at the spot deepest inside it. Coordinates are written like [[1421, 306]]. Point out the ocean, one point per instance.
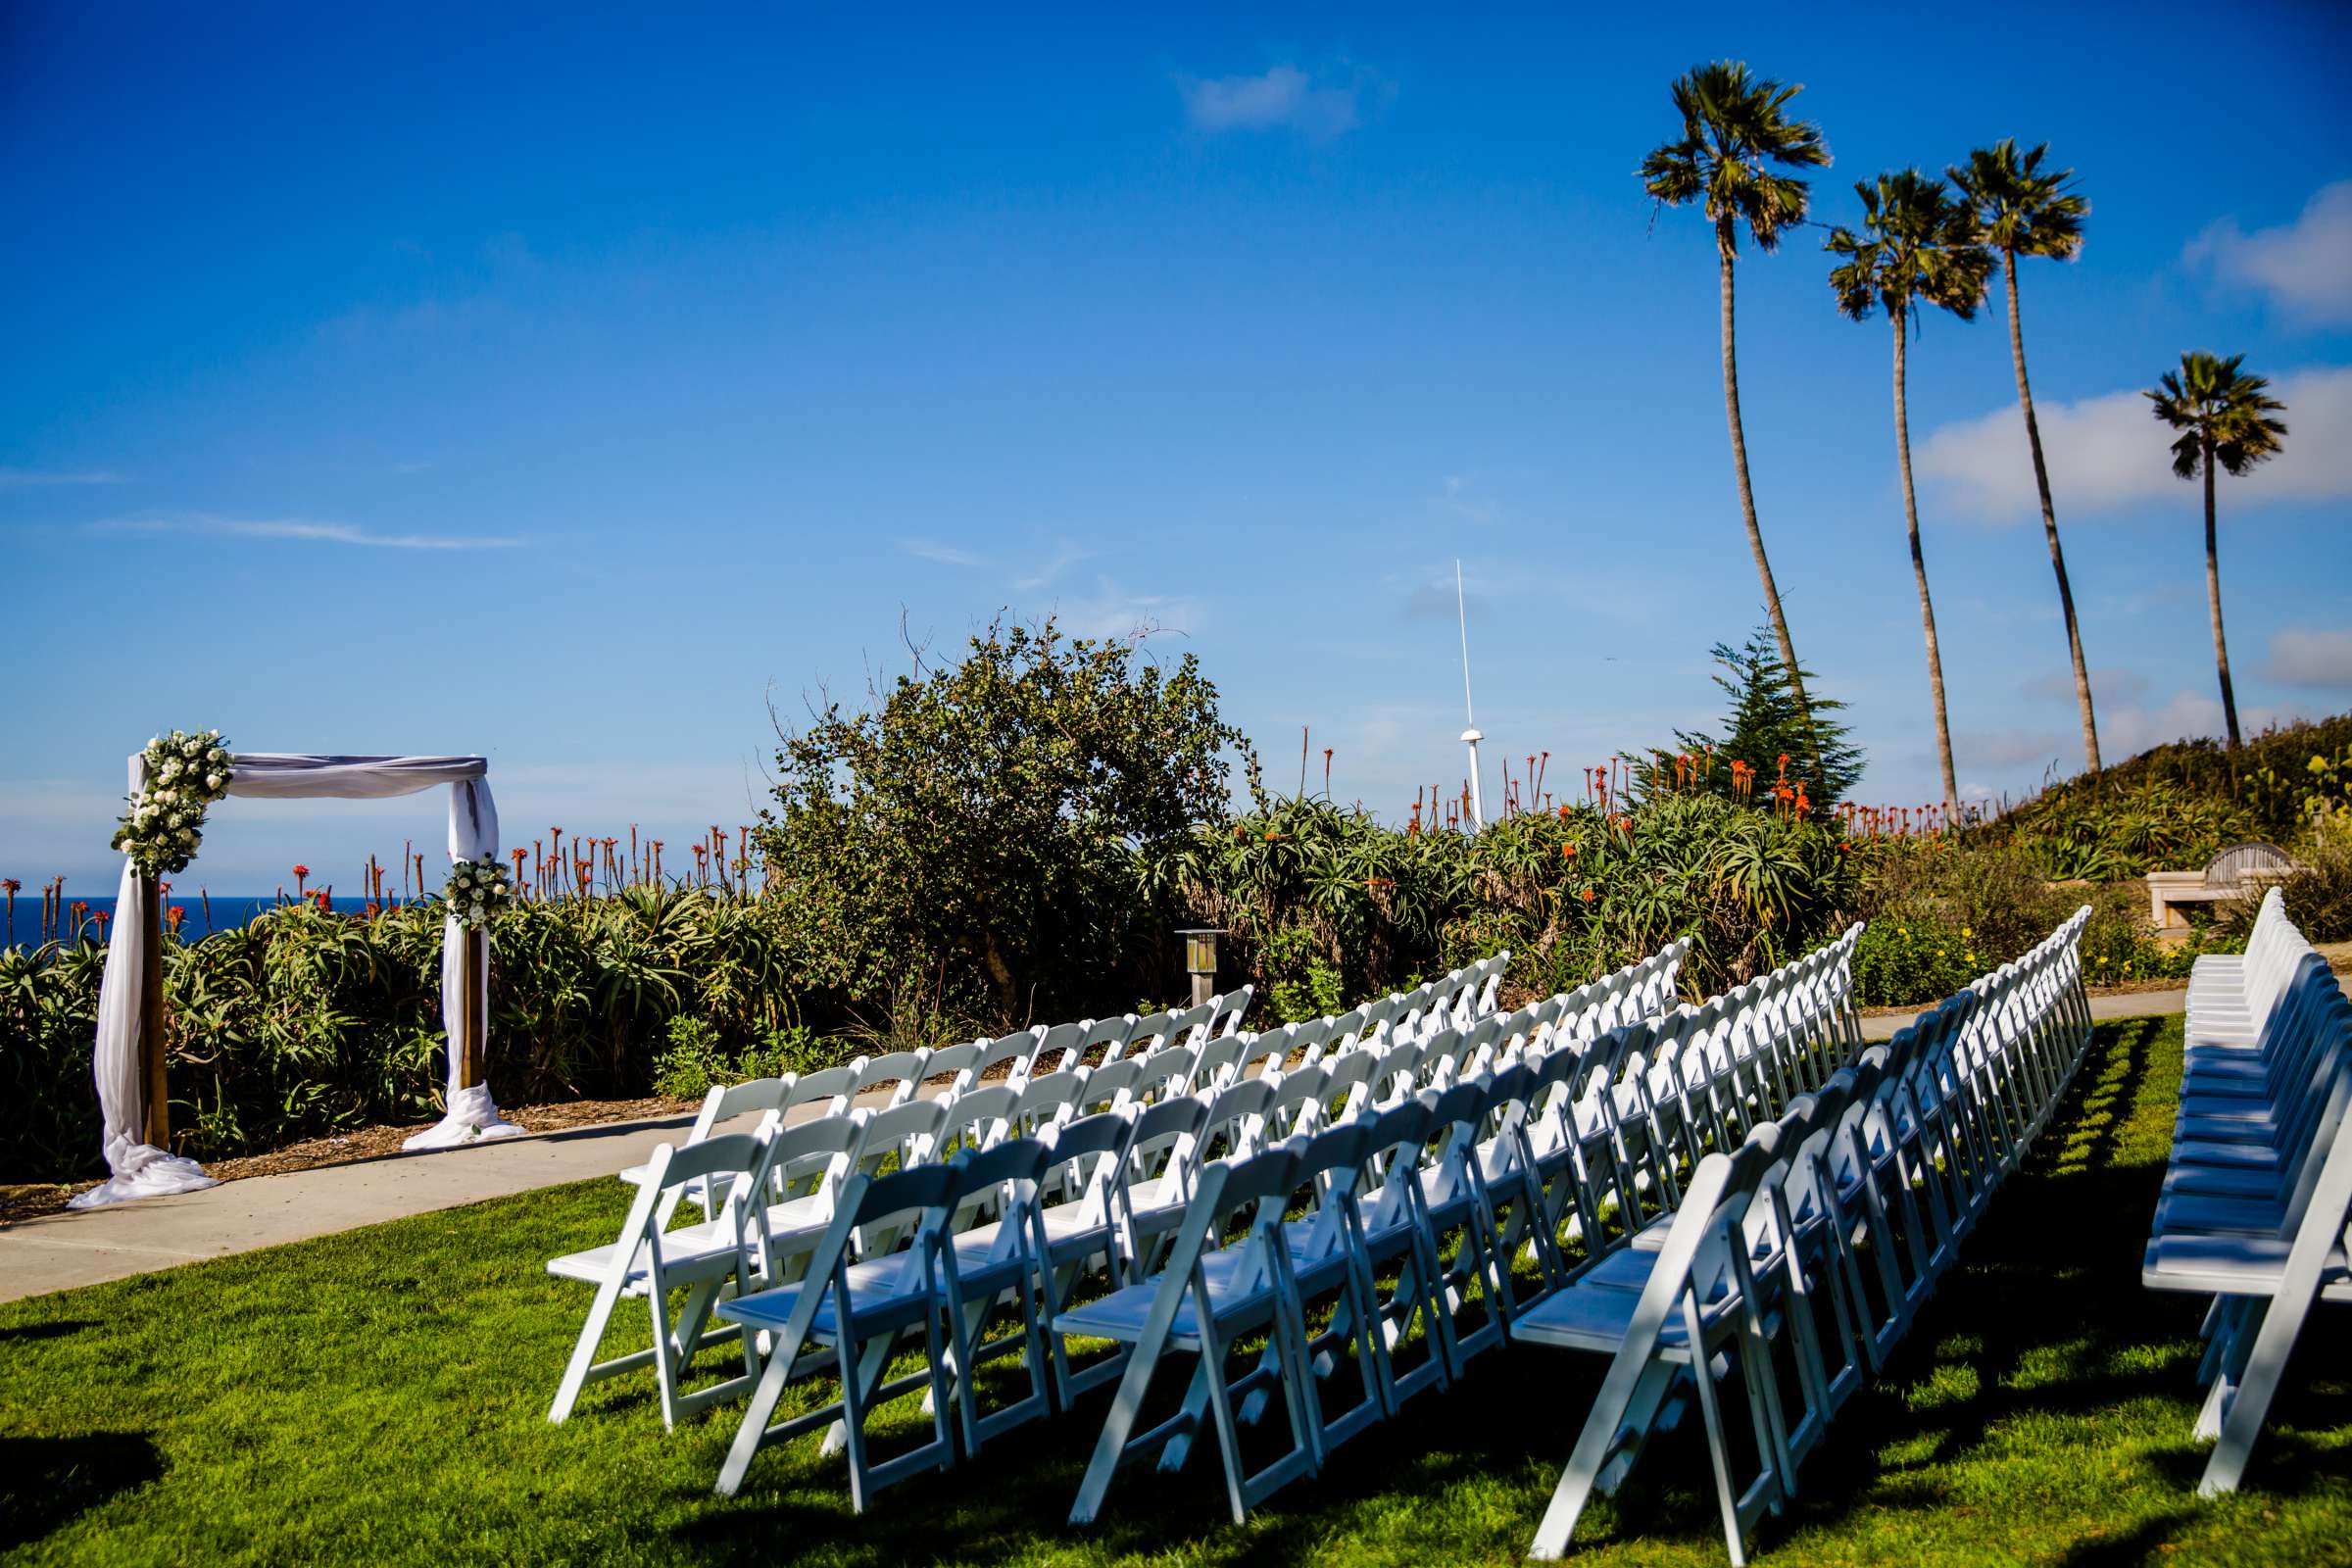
[[200, 916]]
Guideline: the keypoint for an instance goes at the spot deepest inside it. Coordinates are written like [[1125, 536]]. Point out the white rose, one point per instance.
[[187, 838], [213, 781]]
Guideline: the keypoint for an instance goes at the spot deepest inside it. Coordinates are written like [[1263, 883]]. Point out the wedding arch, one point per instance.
[[128, 1057]]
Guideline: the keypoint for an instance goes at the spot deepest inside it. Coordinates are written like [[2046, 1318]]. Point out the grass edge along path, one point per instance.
[[380, 1395]]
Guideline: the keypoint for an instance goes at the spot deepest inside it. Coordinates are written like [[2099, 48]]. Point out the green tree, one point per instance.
[[1769, 720], [2025, 212], [1737, 136], [2224, 417], [1917, 246], [981, 833]]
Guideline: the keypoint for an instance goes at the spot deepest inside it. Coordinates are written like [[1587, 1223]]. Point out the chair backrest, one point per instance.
[[732, 1162], [972, 1122], [1236, 1123], [1112, 1035], [1160, 1148], [1164, 1074], [1058, 1048], [903, 1070], [1231, 1009], [1147, 1034], [832, 1089], [1091, 1153], [1110, 1085], [818, 1153], [901, 1132], [2230, 867], [1049, 1097]]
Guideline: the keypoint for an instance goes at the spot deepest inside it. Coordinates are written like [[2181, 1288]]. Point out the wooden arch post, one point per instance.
[[154, 1070]]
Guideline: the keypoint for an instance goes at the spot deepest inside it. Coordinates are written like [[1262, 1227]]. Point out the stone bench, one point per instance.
[[2238, 871]]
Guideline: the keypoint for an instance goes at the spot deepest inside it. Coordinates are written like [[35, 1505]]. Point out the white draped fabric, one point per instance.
[[142, 1170]]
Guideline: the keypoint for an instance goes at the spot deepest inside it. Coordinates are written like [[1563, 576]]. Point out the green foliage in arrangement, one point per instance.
[[980, 834]]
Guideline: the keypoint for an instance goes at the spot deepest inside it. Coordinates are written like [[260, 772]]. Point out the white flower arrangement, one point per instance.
[[164, 823], [476, 890]]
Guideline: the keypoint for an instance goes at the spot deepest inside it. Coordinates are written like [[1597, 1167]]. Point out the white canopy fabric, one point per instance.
[[142, 1170]]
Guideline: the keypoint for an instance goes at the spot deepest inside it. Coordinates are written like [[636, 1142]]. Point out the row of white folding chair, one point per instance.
[[2258, 1190], [1235, 1120], [1506, 1142], [1551, 1143], [1379, 1190], [818, 1159], [1765, 1231], [2230, 992], [802, 1169], [1133, 1180]]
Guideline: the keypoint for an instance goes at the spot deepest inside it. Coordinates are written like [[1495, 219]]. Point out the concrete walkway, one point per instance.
[[2131, 1004], [58, 1252]]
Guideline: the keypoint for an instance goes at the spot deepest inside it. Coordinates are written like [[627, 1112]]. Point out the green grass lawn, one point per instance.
[[381, 1395]]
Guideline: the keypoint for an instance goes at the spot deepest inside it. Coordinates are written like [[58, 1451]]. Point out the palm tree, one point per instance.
[[2025, 212], [1917, 246], [1736, 134], [2224, 417]]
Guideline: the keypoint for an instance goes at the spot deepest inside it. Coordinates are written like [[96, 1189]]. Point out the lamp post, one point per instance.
[[1201, 959]]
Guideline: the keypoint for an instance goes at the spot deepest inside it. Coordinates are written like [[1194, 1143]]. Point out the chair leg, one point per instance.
[[583, 1353], [2264, 1367]]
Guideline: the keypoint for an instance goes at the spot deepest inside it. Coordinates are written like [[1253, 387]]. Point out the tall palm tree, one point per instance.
[[2224, 417], [1736, 134], [2025, 212], [1918, 246]]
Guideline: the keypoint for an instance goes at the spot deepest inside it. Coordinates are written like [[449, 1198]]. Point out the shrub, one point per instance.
[[1906, 962], [692, 1062], [980, 833]]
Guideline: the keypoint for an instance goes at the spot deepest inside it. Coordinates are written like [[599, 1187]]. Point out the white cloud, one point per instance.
[[1111, 612], [945, 554], [2305, 266], [36, 478], [2109, 451], [2301, 655], [299, 529], [1064, 555], [1280, 96]]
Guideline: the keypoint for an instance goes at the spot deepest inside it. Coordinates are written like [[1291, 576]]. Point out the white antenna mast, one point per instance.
[[1470, 735]]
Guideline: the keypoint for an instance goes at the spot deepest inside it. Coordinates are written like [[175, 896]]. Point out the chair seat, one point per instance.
[[689, 1252], [2194, 1213], [885, 1293], [1123, 1313], [1597, 1317], [2232, 1265], [2219, 1181]]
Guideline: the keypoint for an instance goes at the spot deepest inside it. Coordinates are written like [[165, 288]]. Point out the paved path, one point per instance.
[[2131, 1004], [58, 1252]]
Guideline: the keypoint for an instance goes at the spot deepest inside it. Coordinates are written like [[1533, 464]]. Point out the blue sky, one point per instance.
[[565, 387]]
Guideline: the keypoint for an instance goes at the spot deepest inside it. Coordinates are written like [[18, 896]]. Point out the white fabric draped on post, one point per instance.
[[142, 1170]]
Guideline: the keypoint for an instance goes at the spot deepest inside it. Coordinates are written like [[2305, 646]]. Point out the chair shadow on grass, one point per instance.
[[55, 1329], [2045, 1317], [48, 1481]]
